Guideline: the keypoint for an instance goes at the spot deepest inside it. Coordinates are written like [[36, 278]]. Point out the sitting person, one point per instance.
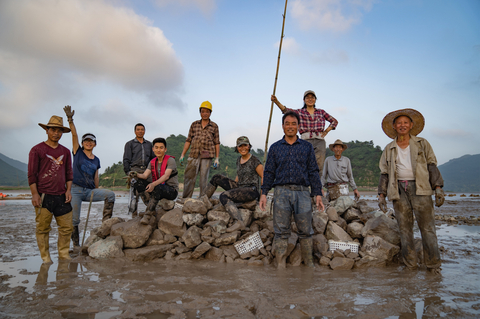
[[85, 177], [164, 178], [337, 171], [245, 187]]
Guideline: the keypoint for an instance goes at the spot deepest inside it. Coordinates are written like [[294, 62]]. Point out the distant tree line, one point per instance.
[[364, 157]]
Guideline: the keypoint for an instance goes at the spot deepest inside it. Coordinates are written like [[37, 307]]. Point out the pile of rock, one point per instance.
[[202, 229], [450, 219]]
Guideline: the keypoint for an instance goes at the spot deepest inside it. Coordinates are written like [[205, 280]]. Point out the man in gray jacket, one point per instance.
[[136, 156], [409, 177]]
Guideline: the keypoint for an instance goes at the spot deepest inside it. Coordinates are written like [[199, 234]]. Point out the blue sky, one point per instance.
[[122, 62]]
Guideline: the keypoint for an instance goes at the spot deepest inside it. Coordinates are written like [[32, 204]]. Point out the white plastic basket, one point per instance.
[[248, 244], [341, 245]]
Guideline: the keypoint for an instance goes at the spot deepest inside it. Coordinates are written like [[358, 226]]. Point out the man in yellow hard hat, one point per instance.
[[204, 138]]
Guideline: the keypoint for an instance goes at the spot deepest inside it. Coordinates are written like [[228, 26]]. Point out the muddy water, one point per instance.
[[201, 289]]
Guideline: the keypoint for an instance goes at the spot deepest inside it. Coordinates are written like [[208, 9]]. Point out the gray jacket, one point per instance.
[[137, 155]]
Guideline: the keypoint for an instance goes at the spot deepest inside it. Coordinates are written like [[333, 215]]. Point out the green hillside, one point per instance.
[[363, 155], [462, 174], [11, 176]]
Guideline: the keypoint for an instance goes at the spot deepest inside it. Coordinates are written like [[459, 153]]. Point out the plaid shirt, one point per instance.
[[203, 139], [315, 124]]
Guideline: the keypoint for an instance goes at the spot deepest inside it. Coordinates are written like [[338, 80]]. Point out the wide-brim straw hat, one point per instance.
[[416, 117], [338, 142], [55, 121]]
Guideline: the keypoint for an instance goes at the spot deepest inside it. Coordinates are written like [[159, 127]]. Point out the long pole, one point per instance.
[[275, 85]]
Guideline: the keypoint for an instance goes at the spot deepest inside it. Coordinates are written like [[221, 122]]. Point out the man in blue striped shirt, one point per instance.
[[291, 168]]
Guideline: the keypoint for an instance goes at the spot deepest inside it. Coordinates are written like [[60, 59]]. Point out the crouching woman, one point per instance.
[[164, 178], [245, 187]]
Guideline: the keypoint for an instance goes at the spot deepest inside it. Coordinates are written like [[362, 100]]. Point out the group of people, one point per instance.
[[296, 168]]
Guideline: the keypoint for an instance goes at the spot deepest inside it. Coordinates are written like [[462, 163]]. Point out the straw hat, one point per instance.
[[55, 121], [338, 142], [416, 117]]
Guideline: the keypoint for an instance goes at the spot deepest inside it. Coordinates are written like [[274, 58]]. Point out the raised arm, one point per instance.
[[69, 113], [277, 102]]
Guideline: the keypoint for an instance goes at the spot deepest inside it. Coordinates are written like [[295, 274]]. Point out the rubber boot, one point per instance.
[[150, 211], [210, 189], [145, 197], [43, 220], [132, 206], [281, 246], [233, 211], [65, 229], [76, 237], [107, 210], [306, 245]]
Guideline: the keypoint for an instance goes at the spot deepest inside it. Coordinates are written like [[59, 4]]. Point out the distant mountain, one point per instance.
[[11, 176], [462, 174], [17, 164]]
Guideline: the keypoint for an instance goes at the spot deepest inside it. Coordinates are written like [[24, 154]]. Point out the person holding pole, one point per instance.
[[291, 168], [85, 177], [50, 178], [312, 124]]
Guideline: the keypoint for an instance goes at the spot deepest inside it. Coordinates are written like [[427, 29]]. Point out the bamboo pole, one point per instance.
[[275, 84]]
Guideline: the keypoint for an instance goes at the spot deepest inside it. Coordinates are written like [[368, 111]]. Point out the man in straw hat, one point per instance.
[[409, 177], [50, 178], [337, 172]]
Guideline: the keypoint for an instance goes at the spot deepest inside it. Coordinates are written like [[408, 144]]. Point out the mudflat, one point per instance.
[[118, 288]]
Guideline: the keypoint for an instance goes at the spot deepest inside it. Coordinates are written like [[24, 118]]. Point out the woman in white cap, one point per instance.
[[85, 177], [312, 124], [245, 187]]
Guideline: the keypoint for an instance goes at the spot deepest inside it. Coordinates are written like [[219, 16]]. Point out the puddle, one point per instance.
[[91, 315], [458, 230]]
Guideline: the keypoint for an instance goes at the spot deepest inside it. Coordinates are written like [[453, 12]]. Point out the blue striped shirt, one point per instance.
[[291, 165]]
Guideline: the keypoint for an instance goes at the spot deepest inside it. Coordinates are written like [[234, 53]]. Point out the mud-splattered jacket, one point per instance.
[[424, 166]]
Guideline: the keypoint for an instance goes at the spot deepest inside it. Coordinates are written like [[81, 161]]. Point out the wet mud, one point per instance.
[[118, 288]]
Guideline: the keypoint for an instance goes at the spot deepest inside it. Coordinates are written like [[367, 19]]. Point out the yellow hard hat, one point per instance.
[[206, 105]]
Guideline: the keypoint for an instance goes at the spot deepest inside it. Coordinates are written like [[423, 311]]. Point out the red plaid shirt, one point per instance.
[[315, 124], [203, 139]]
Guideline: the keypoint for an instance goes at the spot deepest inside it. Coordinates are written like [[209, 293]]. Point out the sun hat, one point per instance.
[[338, 142], [309, 92], [89, 136], [243, 140], [55, 121], [416, 117]]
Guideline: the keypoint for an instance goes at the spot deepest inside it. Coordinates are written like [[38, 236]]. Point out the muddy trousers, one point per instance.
[[82, 194], [195, 166], [43, 220], [422, 206], [159, 192], [319, 146]]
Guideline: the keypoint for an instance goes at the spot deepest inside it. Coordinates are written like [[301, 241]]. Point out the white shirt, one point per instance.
[[404, 164]]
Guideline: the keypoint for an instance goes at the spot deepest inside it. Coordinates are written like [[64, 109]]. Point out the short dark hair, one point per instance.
[[290, 113], [159, 140], [138, 124]]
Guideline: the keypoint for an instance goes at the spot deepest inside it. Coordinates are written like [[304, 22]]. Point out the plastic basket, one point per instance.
[[341, 245], [248, 244]]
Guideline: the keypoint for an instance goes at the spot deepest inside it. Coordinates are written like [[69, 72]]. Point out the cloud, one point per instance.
[[289, 45], [207, 7], [453, 133], [330, 56], [49, 49], [329, 15]]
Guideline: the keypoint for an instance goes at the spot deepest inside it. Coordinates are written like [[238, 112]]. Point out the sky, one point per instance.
[[121, 62]]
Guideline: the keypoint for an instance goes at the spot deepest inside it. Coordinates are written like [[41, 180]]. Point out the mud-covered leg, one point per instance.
[[151, 208], [307, 251], [43, 220], [107, 210], [65, 229], [281, 245], [404, 215], [233, 211]]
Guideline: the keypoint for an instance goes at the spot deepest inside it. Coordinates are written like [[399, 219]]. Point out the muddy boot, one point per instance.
[[107, 210], [281, 246], [43, 220], [234, 213], [76, 237], [65, 229], [306, 245], [210, 189], [150, 211]]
